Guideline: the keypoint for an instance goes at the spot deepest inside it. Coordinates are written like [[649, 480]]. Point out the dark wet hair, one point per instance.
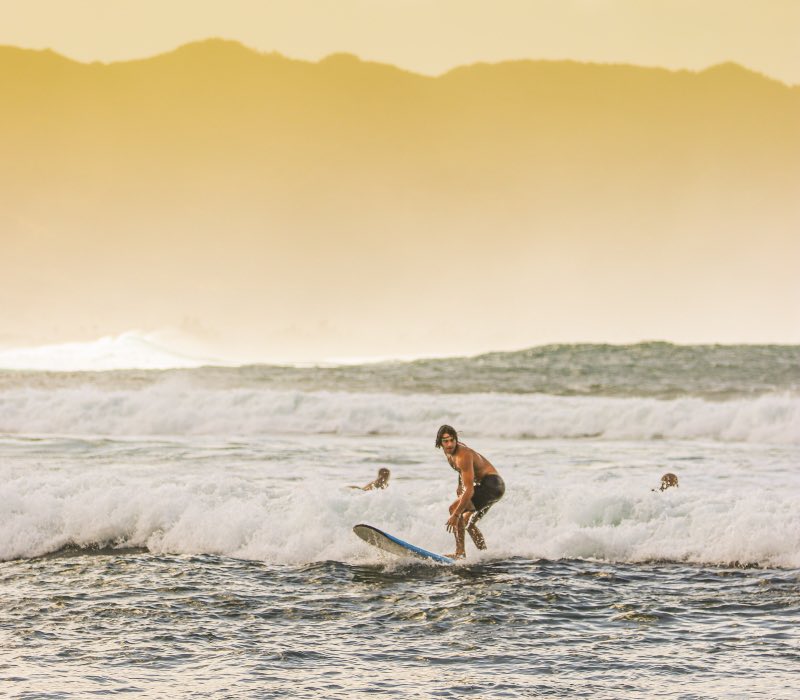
[[445, 429], [383, 471]]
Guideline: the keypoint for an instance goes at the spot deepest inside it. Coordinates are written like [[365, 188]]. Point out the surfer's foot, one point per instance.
[[456, 555]]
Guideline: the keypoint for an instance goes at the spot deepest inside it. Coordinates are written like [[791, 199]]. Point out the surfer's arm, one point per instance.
[[468, 487], [467, 477]]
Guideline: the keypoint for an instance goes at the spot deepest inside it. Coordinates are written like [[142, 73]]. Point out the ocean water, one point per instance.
[[187, 532]]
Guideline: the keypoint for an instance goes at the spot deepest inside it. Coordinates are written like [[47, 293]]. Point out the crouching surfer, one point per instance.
[[479, 488]]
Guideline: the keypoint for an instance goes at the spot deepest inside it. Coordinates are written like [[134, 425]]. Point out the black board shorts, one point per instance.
[[487, 493]]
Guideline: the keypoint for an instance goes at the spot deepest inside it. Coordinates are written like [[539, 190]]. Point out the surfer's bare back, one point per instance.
[[479, 488]]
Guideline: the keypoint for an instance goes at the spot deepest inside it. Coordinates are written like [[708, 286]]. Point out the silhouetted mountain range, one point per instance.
[[218, 177]]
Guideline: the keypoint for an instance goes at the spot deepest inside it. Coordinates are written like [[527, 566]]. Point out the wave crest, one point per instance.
[[174, 407], [252, 516]]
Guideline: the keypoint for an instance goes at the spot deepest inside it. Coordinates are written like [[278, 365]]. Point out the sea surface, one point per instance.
[[187, 532]]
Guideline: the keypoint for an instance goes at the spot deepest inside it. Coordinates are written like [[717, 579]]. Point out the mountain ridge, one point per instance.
[[229, 48], [273, 197]]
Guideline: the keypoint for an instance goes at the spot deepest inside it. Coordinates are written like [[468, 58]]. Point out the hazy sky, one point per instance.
[[428, 36], [581, 211]]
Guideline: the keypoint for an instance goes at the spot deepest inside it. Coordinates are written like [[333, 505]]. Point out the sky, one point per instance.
[[686, 237], [427, 36]]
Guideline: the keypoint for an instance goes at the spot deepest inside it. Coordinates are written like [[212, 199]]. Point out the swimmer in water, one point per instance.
[[669, 479], [382, 482]]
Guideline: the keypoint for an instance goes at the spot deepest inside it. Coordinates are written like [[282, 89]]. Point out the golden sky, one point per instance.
[[280, 209], [427, 36]]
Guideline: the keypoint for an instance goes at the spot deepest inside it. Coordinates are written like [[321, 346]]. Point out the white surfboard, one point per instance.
[[394, 545]]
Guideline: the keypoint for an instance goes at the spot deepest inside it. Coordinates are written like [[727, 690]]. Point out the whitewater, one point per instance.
[[285, 500], [201, 516]]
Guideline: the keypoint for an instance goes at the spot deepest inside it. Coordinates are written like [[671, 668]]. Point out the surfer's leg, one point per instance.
[[474, 532], [477, 537], [486, 495], [458, 531], [460, 528]]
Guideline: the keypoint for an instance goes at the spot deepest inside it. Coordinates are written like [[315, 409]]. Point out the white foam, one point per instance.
[[175, 406], [723, 512], [131, 350]]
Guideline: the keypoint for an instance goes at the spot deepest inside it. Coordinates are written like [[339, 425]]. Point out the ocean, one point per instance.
[[187, 532]]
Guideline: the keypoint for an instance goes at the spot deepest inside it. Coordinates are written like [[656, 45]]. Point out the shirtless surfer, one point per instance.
[[479, 488]]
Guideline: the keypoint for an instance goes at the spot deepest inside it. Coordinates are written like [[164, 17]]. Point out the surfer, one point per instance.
[[382, 482], [479, 488]]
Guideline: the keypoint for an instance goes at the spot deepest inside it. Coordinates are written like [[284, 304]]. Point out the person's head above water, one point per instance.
[[381, 482], [446, 430]]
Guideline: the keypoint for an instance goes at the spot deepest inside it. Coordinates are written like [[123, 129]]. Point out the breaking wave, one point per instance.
[[249, 515], [176, 407]]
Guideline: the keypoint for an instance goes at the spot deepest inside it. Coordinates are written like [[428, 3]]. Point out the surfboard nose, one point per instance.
[[394, 545]]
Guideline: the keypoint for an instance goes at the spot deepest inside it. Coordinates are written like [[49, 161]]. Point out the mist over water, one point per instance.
[[200, 519]]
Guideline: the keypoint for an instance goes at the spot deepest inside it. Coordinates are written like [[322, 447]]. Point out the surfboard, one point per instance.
[[394, 545]]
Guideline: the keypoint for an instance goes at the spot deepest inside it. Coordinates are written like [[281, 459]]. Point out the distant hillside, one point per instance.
[[221, 183]]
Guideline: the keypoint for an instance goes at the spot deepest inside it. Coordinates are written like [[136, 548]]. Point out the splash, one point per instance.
[[254, 513], [130, 350], [177, 406]]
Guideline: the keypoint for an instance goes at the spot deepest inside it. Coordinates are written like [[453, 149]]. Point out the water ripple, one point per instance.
[[112, 622]]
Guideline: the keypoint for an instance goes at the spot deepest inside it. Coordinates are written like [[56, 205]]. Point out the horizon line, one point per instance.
[[163, 357], [349, 54]]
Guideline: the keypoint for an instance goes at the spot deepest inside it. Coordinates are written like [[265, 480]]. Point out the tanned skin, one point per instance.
[[381, 482], [471, 467]]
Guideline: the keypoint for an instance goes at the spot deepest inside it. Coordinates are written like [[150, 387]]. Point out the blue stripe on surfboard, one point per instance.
[[364, 531]]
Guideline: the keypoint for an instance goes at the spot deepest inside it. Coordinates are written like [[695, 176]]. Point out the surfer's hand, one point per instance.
[[452, 522]]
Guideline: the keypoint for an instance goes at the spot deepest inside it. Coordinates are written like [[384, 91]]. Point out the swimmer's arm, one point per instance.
[[368, 487]]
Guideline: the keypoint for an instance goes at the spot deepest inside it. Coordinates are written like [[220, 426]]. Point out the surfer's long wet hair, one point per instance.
[[445, 430]]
